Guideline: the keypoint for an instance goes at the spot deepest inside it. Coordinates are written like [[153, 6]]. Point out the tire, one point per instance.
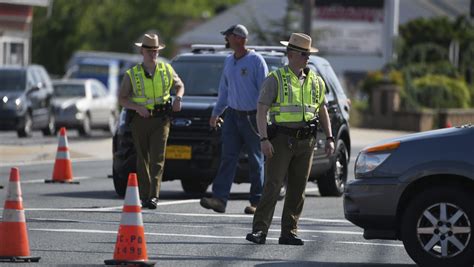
[[423, 228], [334, 181], [27, 127], [85, 129], [50, 129], [120, 172], [194, 186], [112, 124]]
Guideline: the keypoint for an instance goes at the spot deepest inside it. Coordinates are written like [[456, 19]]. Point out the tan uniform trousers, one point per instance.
[[149, 137], [294, 157]]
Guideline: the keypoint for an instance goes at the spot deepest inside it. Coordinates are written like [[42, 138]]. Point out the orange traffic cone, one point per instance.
[[14, 245], [62, 172], [130, 247]]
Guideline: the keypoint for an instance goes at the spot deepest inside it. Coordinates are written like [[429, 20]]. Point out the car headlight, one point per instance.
[[370, 158], [12, 103]]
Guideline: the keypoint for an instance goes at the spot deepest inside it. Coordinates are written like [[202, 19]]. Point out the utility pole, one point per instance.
[[308, 6]]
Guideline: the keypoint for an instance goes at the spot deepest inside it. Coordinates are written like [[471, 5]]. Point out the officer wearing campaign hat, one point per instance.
[[145, 92], [292, 96]]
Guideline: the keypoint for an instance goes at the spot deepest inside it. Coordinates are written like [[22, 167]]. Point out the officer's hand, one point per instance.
[[329, 147], [176, 105], [142, 111], [267, 148]]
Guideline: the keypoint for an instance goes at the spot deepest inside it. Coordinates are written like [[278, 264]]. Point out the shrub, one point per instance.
[[438, 91]]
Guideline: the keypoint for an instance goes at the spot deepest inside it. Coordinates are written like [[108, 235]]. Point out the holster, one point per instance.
[[271, 131]]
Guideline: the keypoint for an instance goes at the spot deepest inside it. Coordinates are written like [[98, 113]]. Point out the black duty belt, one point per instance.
[[160, 110], [244, 112], [298, 133]]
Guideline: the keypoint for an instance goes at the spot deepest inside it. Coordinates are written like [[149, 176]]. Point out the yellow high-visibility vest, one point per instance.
[[296, 102], [149, 92]]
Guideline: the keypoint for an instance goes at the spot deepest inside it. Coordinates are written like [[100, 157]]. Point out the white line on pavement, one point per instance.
[[370, 244]]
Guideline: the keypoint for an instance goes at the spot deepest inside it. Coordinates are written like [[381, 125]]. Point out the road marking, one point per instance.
[[370, 244]]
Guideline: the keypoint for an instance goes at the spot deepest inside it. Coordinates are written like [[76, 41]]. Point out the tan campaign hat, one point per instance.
[[300, 42], [151, 42]]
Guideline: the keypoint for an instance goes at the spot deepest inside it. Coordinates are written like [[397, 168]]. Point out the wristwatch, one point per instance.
[[178, 98], [263, 139], [330, 138]]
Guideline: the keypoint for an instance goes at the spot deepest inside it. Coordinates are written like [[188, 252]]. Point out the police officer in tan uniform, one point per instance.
[[293, 96], [145, 92]]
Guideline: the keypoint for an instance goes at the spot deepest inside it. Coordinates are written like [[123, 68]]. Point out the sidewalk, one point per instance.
[[83, 149], [102, 148]]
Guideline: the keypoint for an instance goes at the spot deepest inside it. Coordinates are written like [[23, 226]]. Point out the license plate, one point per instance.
[[178, 152]]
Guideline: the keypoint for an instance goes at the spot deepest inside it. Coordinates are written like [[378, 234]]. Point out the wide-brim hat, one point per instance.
[[151, 42], [300, 42]]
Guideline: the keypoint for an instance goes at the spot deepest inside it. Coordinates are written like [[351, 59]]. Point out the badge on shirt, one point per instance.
[[243, 71]]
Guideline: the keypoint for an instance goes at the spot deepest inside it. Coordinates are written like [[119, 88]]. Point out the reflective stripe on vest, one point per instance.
[[149, 92], [296, 103]]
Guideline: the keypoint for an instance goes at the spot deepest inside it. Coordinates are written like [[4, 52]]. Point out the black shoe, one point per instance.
[[215, 204], [290, 240], [152, 203], [257, 237]]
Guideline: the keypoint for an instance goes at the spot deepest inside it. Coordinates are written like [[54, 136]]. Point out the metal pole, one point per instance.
[[307, 16]]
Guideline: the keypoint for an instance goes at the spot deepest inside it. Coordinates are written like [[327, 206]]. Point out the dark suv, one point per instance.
[[193, 150], [25, 100]]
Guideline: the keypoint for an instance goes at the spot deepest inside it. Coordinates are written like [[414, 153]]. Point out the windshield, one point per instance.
[[201, 78], [69, 90], [12, 80]]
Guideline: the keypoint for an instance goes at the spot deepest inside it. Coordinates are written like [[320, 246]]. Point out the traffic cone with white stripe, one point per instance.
[[62, 172], [130, 247], [14, 245]]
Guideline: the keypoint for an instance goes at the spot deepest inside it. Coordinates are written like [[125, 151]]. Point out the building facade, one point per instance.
[[16, 22]]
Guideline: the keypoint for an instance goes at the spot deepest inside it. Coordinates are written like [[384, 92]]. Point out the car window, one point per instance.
[[329, 84], [98, 90], [44, 77], [200, 77], [12, 80], [35, 77], [69, 90], [328, 72]]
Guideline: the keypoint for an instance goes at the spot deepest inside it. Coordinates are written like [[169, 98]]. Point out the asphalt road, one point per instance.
[[76, 225]]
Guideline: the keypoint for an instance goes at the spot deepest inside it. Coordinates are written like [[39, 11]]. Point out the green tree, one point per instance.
[[110, 25]]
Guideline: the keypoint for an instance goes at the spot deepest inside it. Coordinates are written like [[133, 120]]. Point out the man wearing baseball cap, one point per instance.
[[243, 74]]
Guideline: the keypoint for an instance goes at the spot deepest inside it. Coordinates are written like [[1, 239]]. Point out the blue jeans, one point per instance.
[[237, 132]]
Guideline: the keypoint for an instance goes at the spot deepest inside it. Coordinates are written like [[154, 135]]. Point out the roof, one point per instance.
[[27, 2], [274, 10], [248, 13]]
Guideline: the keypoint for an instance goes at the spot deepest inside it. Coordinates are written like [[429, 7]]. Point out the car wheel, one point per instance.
[[437, 227], [112, 124], [85, 129], [27, 127], [124, 162], [51, 127], [120, 171], [194, 186], [334, 181]]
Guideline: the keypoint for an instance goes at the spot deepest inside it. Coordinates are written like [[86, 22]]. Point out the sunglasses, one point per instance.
[[303, 54]]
